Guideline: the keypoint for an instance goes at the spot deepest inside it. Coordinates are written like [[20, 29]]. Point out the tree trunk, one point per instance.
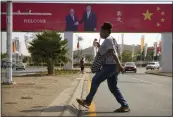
[[50, 66]]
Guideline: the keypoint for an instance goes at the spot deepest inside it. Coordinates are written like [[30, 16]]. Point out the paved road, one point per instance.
[[147, 95]]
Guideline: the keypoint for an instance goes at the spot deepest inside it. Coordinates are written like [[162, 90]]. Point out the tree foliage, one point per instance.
[[89, 58], [48, 46], [3, 55], [126, 56], [26, 59]]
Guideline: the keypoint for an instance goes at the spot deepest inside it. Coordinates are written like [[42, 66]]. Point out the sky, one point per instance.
[[88, 38]]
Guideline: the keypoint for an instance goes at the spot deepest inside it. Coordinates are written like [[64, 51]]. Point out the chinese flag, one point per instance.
[[78, 44], [13, 47], [142, 43], [160, 46], [137, 17]]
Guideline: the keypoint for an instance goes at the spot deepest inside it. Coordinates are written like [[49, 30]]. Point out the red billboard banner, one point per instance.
[[86, 18]]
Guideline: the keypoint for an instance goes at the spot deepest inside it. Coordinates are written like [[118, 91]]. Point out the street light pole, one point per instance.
[[9, 20], [122, 46]]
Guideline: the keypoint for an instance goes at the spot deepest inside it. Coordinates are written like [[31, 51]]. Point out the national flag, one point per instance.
[[155, 48], [78, 45], [156, 17], [142, 43], [13, 46], [147, 18], [159, 46], [133, 50], [122, 44], [26, 38], [145, 50]]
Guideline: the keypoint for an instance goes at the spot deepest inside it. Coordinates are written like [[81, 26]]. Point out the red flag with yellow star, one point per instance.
[[142, 18], [157, 18]]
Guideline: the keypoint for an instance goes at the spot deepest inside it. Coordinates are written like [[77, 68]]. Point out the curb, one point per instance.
[[73, 107], [158, 74], [63, 103]]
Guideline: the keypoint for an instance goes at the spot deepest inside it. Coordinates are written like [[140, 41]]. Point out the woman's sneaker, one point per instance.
[[122, 109], [83, 103]]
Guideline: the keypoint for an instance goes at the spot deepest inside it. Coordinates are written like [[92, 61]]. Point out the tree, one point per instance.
[[150, 54], [89, 58], [75, 56], [48, 46], [3, 55], [126, 56], [26, 59]]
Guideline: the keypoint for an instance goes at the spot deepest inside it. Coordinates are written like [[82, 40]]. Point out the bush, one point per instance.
[[78, 65]]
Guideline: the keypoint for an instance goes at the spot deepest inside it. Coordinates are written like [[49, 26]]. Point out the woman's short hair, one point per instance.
[[107, 26]]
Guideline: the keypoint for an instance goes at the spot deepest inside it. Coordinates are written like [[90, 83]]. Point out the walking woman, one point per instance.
[[82, 65], [109, 71]]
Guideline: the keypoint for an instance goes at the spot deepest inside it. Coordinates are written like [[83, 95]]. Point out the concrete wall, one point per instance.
[[166, 59]]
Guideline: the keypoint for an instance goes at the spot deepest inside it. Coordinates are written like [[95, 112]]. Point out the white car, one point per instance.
[[19, 66], [153, 65]]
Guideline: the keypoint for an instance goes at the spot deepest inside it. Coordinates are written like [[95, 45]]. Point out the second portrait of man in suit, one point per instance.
[[89, 19]]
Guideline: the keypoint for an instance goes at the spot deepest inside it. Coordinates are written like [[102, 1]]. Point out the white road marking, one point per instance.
[[147, 82]]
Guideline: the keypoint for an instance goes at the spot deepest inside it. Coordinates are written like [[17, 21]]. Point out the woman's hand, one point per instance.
[[120, 68]]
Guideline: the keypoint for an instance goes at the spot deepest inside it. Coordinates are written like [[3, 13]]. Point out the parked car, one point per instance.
[[130, 66], [153, 65], [20, 66], [5, 65]]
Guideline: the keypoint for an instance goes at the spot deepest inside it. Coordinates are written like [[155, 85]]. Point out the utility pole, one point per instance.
[[142, 48], [122, 46], [9, 19], [133, 51]]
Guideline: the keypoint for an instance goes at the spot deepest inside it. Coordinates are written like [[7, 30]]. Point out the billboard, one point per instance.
[[89, 18]]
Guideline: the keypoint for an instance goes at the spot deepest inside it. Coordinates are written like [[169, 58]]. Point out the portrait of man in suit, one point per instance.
[[89, 18], [70, 21]]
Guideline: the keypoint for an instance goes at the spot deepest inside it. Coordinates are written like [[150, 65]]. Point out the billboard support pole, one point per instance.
[[9, 41], [69, 37], [166, 58]]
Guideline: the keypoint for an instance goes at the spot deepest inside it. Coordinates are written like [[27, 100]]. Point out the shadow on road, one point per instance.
[[72, 109], [83, 113]]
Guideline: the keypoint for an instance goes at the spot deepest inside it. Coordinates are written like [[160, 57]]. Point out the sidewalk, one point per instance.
[[157, 72], [32, 95]]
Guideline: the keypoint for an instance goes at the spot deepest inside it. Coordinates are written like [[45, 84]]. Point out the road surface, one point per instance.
[[147, 95]]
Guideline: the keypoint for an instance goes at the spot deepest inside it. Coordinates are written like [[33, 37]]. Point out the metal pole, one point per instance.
[[9, 40], [122, 46], [133, 51], [121, 58]]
